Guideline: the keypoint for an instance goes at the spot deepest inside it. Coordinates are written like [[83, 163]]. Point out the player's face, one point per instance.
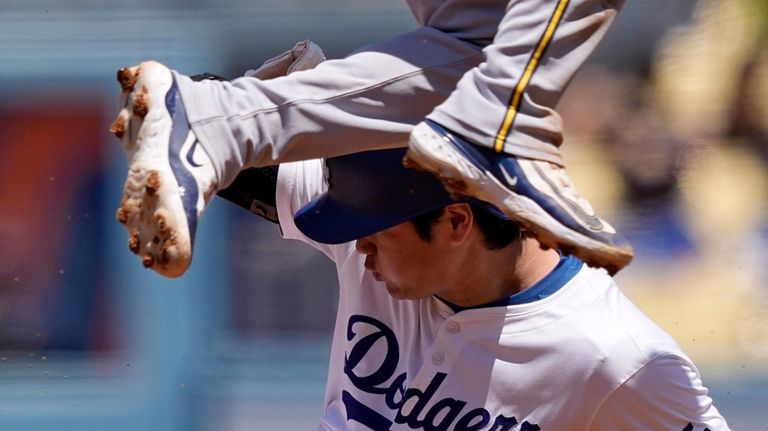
[[410, 267]]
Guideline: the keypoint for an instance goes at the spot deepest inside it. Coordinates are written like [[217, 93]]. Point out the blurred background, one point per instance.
[[666, 134]]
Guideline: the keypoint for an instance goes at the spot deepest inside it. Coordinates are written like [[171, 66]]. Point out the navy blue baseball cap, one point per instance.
[[369, 192]]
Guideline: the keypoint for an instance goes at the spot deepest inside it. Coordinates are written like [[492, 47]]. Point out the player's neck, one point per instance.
[[495, 274], [533, 263]]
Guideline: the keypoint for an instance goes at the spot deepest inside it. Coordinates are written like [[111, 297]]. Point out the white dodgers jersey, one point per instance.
[[584, 358]]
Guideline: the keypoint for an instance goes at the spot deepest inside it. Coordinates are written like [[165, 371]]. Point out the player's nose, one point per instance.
[[365, 246]]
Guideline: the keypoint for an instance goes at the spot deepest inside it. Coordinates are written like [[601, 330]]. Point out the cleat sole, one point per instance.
[[151, 209]]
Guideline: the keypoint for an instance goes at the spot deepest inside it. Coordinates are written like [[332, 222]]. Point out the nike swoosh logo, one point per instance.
[[190, 153], [511, 180]]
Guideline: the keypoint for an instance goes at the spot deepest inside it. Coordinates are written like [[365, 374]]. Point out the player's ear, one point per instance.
[[461, 220]]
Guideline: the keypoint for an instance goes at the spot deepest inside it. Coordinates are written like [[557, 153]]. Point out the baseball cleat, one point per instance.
[[536, 194], [170, 177]]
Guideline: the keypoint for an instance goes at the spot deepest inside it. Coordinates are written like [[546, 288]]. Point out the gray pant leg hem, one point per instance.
[[529, 148]]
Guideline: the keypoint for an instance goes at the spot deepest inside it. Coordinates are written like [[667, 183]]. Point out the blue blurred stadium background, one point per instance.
[[89, 340]]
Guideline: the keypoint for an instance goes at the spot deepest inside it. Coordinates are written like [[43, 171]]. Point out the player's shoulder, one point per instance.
[[613, 328], [637, 366]]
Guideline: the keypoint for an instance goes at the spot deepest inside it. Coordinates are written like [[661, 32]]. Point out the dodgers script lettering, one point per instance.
[[413, 408]]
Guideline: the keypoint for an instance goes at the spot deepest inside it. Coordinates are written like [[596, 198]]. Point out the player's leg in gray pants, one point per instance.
[[368, 100], [508, 102], [372, 98]]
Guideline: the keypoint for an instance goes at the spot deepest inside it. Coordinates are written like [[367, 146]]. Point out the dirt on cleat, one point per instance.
[[153, 183], [118, 126], [141, 103], [127, 77]]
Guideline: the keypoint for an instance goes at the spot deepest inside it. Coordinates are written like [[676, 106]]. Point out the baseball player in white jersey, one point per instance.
[[449, 319], [480, 79]]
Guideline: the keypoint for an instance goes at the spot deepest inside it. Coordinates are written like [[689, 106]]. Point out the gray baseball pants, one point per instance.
[[490, 70]]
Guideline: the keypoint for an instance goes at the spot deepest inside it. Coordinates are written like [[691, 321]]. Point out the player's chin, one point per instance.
[[398, 292], [395, 291]]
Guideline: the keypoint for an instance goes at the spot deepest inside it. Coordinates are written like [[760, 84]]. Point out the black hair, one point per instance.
[[497, 232]]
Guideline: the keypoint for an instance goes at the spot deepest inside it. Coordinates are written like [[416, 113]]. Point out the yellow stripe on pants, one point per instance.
[[533, 62]]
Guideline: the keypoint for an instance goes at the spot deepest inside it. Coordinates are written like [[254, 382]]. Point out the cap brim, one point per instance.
[[327, 221]]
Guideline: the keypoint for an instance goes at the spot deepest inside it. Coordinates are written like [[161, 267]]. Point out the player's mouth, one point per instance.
[[376, 275], [369, 266]]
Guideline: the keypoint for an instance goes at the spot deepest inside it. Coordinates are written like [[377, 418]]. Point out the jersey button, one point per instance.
[[438, 358], [453, 327]]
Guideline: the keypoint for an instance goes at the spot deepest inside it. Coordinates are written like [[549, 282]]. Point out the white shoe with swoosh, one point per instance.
[[536, 194], [170, 177]]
